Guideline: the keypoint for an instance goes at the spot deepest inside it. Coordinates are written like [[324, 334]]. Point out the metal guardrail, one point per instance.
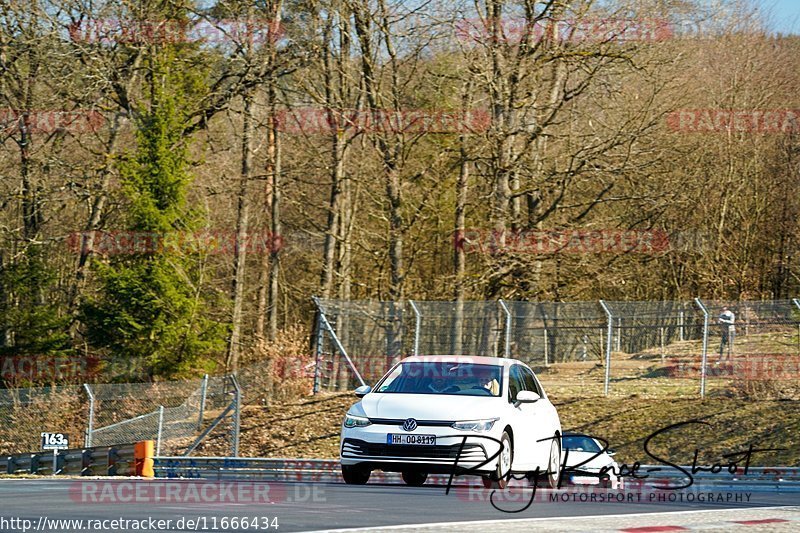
[[768, 479], [101, 461]]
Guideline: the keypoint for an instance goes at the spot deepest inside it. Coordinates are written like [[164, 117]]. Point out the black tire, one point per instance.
[[499, 478], [355, 475], [554, 471], [414, 479]]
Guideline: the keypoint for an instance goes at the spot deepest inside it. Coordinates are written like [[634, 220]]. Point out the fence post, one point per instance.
[[318, 348], [323, 320], [546, 348], [680, 323], [416, 326], [619, 334], [746, 319], [609, 336], [705, 347], [203, 391], [507, 349], [90, 426], [160, 429], [236, 415], [796, 302]]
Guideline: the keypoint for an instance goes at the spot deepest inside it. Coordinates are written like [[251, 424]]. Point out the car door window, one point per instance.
[[515, 383], [530, 382]]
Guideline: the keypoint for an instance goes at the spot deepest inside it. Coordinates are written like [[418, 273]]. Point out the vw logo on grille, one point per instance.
[[410, 424]]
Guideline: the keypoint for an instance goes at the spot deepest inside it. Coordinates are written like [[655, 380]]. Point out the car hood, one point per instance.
[[594, 463], [430, 406]]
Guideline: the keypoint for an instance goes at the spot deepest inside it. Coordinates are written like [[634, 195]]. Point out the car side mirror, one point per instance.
[[526, 396], [362, 391], [611, 452]]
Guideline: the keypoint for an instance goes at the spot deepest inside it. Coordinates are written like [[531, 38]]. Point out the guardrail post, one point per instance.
[[417, 324], [609, 340], [203, 391], [160, 428], [58, 460], [90, 427], [705, 347], [507, 349], [86, 462], [111, 461], [34, 464]]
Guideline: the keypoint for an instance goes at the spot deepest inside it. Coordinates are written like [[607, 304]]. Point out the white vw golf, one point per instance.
[[431, 414]]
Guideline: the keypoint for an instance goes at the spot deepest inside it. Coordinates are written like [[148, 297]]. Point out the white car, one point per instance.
[[586, 455], [416, 418]]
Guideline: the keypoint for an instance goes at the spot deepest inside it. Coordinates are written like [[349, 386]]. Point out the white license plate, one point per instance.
[[418, 440]]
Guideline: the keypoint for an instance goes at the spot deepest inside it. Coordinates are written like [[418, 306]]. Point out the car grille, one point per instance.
[[359, 448], [420, 423]]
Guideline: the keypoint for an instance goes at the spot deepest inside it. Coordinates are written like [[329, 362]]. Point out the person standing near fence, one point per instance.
[[728, 330]]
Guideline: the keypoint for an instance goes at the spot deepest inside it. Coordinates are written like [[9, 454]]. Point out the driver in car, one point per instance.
[[440, 384], [487, 380]]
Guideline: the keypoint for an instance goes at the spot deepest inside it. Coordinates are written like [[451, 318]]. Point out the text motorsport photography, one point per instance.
[[664, 481]]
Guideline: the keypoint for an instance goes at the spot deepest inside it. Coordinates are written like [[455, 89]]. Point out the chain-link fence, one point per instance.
[[170, 413], [624, 348], [175, 414], [26, 413]]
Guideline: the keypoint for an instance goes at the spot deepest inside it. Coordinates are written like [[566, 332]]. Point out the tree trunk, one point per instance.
[[459, 254], [242, 241], [274, 154]]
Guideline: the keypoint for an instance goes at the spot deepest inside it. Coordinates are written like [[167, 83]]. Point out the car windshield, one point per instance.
[[580, 443], [437, 377]]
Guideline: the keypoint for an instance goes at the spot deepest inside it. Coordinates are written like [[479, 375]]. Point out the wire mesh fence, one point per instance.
[[645, 348], [26, 413], [668, 348], [171, 413]]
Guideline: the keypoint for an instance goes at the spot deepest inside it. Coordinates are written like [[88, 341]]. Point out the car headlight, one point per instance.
[[475, 425], [352, 421]]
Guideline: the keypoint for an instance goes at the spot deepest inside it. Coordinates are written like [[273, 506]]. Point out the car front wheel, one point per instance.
[[355, 475], [499, 479], [554, 465]]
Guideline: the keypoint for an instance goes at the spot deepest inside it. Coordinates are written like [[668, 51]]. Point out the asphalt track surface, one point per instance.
[[321, 506]]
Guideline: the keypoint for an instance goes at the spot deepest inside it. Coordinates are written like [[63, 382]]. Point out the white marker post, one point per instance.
[[55, 442]]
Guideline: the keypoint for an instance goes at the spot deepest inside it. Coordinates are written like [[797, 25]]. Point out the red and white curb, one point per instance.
[[751, 519], [731, 524]]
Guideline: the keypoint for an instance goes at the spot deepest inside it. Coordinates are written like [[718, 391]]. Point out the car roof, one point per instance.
[[575, 434], [462, 359]]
